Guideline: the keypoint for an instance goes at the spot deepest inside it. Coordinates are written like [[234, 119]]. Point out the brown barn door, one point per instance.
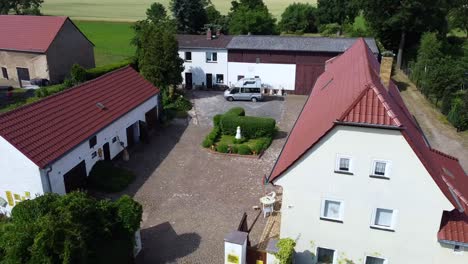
[[209, 80], [23, 75], [306, 76], [255, 256], [130, 136], [188, 80], [75, 179]]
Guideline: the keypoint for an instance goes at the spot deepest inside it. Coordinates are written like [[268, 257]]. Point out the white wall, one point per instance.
[[84, 152], [18, 174], [276, 76], [410, 190], [199, 67]]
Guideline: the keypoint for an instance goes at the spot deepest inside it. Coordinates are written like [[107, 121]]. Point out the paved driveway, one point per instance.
[[193, 198]]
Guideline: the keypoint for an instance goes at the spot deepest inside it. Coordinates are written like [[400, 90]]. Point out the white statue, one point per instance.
[[238, 133]]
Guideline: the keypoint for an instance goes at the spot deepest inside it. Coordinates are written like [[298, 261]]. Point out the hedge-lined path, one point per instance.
[[193, 198]]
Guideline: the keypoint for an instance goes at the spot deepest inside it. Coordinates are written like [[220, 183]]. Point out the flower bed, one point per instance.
[[257, 132]]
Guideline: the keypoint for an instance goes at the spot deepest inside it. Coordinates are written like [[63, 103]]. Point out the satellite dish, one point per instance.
[[3, 202]]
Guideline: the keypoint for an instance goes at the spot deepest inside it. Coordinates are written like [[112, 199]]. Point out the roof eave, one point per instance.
[[343, 123]]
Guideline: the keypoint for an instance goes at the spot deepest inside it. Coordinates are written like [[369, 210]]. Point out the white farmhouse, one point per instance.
[[360, 181], [205, 59], [51, 145]]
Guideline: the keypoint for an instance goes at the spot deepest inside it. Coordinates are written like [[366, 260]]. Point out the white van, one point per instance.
[[247, 89]]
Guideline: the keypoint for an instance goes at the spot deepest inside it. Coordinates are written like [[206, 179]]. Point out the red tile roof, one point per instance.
[[29, 33], [454, 227], [47, 129], [350, 92]]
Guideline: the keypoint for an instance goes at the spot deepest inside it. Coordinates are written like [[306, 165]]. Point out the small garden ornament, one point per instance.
[[238, 133]]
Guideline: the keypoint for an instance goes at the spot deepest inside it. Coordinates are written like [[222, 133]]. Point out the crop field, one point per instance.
[[111, 40], [132, 10]]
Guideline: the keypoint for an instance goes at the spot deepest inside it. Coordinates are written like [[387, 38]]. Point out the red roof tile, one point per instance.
[[29, 33], [454, 227], [350, 92], [47, 129]]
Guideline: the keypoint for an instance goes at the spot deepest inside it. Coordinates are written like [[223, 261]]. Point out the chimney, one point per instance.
[[208, 34], [386, 67], [218, 32]]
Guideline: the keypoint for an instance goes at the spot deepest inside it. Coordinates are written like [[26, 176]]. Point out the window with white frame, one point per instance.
[[381, 168], [384, 218], [332, 210], [211, 57], [219, 78], [343, 164], [375, 260], [325, 255], [188, 56]]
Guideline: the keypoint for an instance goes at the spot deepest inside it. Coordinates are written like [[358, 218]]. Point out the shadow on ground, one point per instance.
[[166, 245]]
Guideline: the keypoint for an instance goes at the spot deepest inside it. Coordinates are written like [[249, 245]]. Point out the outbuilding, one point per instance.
[[52, 145]]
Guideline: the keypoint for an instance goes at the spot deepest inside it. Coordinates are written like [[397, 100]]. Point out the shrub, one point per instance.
[[285, 252], [244, 150], [104, 176], [98, 71], [457, 116], [251, 127], [329, 30], [207, 143], [223, 148], [235, 111], [78, 74], [234, 149], [257, 147], [217, 120], [211, 137], [239, 141]]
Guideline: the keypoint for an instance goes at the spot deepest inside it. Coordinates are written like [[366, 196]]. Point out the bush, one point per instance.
[[207, 143], [244, 150], [104, 176], [223, 148], [329, 30], [234, 149], [285, 252], [98, 71], [235, 111], [457, 116], [211, 138], [239, 141], [217, 120], [257, 148], [251, 127], [78, 74]]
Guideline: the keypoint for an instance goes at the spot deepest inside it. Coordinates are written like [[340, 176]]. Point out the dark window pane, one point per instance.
[[380, 168], [372, 260], [215, 56], [344, 164], [92, 142], [325, 256]]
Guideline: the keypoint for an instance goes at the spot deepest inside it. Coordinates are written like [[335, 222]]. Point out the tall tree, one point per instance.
[[156, 13], [158, 57], [400, 23], [251, 16], [21, 7], [336, 11], [298, 18], [430, 49], [458, 15], [190, 15]]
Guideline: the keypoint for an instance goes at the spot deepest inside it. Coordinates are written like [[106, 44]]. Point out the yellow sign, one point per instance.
[[233, 259], [259, 262], [9, 196]]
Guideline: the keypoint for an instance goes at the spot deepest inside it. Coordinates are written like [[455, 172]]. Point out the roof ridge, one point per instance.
[[61, 92]]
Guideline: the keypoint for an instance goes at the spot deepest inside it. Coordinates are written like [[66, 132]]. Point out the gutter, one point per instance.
[[48, 169]]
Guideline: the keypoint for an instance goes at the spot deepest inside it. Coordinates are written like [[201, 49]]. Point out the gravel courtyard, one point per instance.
[[193, 198]]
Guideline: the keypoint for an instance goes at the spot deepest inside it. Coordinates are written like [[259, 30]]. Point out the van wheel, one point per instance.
[[230, 99], [254, 99]]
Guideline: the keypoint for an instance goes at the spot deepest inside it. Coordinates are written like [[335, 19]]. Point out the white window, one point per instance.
[[381, 168], [325, 255], [332, 210], [375, 260], [343, 164], [211, 57], [384, 218]]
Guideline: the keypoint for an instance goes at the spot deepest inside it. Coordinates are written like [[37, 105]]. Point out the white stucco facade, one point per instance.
[[275, 76], [20, 175], [410, 191], [200, 67]]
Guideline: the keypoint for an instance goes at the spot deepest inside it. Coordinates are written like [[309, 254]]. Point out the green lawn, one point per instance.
[[111, 40], [132, 10]]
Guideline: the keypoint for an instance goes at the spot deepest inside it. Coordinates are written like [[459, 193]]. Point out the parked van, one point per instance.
[[247, 89]]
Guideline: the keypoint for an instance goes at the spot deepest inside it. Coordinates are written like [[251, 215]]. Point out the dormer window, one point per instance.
[[380, 169], [343, 164]]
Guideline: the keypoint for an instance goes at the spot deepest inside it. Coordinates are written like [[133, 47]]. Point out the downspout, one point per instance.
[[48, 169]]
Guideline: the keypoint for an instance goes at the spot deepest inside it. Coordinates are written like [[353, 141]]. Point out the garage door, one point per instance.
[[75, 179]]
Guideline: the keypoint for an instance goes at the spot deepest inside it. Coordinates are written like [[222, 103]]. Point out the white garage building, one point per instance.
[[51, 145]]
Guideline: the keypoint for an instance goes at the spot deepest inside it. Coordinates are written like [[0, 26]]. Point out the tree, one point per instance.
[[73, 228], [298, 18], [400, 24], [156, 13], [458, 15], [190, 15], [158, 54], [429, 50], [336, 11], [443, 78], [251, 16], [21, 7]]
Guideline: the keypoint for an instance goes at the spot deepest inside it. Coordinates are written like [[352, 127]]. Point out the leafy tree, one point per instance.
[[156, 13], [298, 18], [74, 228], [458, 114], [190, 15], [21, 7], [336, 11], [458, 15], [251, 16], [78, 74], [400, 24], [429, 50], [215, 19], [158, 57]]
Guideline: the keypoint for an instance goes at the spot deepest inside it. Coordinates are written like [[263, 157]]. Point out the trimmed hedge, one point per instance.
[[211, 138], [244, 150], [251, 127], [223, 148], [98, 71], [217, 120], [235, 111]]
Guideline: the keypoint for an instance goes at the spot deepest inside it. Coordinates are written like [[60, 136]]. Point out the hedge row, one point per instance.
[[251, 127], [98, 71], [211, 137]]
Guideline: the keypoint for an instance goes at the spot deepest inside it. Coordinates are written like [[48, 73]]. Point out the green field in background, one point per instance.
[[111, 40], [132, 10]]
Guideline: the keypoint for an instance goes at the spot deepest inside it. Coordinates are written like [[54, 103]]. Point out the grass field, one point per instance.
[[111, 40], [132, 10]]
